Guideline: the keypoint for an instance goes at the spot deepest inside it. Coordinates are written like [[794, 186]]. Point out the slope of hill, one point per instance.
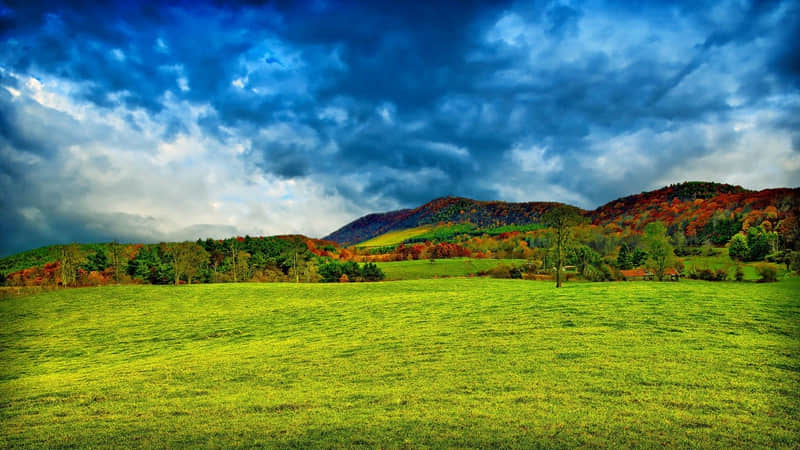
[[701, 210], [441, 210]]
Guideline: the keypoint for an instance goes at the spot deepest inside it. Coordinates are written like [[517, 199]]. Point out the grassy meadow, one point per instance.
[[723, 261], [449, 362], [452, 267]]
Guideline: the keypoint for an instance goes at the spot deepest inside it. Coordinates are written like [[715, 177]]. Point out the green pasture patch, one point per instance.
[[453, 267], [395, 237]]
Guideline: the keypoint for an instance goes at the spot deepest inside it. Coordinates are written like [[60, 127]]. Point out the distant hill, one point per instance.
[[692, 207], [444, 210]]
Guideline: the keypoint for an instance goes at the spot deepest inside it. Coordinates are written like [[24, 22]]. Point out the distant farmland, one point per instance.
[[395, 237]]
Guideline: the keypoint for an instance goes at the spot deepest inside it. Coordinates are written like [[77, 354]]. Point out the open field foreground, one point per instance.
[[449, 362]]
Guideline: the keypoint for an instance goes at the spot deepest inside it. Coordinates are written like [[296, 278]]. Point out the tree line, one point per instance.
[[240, 259]]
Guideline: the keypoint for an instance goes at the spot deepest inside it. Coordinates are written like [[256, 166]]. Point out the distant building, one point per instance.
[[671, 274], [636, 275], [645, 275]]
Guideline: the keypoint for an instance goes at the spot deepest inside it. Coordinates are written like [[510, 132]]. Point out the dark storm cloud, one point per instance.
[[393, 103]]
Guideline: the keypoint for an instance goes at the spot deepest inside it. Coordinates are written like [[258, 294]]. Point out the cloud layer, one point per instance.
[[160, 121]]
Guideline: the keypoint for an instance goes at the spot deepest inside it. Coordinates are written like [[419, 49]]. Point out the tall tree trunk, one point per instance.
[[233, 259], [558, 266]]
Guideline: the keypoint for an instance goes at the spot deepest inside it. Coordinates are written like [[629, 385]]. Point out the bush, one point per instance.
[[371, 272], [334, 271], [593, 273], [767, 273], [739, 274], [704, 273], [794, 262], [500, 271], [330, 272]]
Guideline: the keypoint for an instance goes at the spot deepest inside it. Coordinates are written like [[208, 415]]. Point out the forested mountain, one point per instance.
[[755, 225], [699, 210], [442, 210]]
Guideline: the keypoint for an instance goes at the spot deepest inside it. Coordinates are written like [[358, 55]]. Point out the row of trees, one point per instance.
[[286, 258], [335, 271]]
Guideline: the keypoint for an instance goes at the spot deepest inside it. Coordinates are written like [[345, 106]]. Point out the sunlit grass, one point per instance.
[[455, 362], [395, 237], [453, 267]]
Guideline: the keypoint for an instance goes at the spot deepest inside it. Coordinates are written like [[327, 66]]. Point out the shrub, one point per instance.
[[739, 274], [794, 262], [500, 271], [371, 272], [351, 269], [592, 273], [704, 273], [767, 272], [720, 275], [330, 272]]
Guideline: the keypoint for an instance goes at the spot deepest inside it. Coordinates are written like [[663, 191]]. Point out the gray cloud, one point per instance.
[[149, 119]]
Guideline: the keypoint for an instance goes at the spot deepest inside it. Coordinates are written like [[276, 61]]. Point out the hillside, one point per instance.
[[699, 210], [444, 210]]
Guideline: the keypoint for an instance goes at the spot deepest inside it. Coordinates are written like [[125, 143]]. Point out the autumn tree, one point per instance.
[[561, 219], [70, 258], [658, 248], [216, 259], [187, 259]]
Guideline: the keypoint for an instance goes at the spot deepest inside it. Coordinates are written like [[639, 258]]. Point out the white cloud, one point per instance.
[[447, 149], [122, 171], [534, 159], [387, 111]]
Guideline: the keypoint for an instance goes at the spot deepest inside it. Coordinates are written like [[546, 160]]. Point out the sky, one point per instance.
[[145, 122]]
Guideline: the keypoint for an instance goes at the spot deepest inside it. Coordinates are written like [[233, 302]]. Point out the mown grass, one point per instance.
[[395, 237], [454, 362], [453, 267]]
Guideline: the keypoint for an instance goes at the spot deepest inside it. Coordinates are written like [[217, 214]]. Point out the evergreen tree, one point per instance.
[[625, 258]]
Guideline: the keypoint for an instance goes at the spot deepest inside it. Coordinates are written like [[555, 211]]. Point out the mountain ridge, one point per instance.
[[679, 202]]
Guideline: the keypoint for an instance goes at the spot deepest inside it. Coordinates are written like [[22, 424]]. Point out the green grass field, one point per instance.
[[454, 267], [395, 237], [723, 261], [449, 362]]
